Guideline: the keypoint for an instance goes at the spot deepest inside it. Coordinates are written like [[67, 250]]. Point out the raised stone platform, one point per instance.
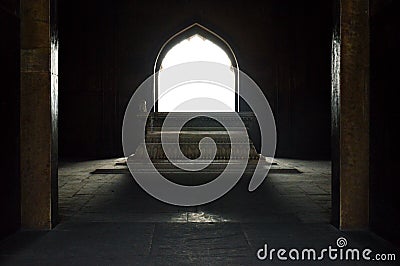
[[192, 133], [189, 138]]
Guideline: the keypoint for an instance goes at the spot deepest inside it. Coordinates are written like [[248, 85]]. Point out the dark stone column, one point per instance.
[[39, 104], [350, 115]]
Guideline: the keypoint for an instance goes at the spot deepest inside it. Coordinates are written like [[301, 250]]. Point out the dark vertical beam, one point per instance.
[[350, 113], [38, 121]]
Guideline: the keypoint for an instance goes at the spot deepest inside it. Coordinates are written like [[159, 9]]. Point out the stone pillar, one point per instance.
[[38, 122], [350, 115]]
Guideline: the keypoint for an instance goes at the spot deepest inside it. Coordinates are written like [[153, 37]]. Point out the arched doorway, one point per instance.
[[193, 44]]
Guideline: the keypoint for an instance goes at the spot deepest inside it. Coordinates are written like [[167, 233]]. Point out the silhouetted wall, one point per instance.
[[385, 114], [9, 116], [107, 48]]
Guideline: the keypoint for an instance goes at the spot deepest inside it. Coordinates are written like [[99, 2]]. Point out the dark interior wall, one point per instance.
[[385, 115], [87, 91], [9, 116], [108, 48]]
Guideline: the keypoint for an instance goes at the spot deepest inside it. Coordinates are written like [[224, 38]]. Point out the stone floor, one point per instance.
[[107, 219]]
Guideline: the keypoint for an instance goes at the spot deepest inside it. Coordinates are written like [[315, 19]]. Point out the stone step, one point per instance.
[[214, 166], [190, 178], [192, 151], [156, 129], [196, 136], [156, 120]]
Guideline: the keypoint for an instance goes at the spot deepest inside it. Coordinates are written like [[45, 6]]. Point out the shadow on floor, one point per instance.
[[107, 219]]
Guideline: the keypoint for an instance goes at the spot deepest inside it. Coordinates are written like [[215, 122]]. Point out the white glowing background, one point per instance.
[[196, 48]]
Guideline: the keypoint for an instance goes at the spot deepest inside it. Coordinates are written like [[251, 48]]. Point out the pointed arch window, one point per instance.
[[193, 44]]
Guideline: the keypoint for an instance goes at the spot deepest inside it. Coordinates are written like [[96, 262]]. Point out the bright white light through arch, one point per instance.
[[193, 49]]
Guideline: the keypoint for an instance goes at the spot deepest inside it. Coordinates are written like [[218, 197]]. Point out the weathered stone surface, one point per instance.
[[35, 146], [38, 120], [102, 212], [35, 60], [37, 10], [35, 34], [190, 136], [351, 99]]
